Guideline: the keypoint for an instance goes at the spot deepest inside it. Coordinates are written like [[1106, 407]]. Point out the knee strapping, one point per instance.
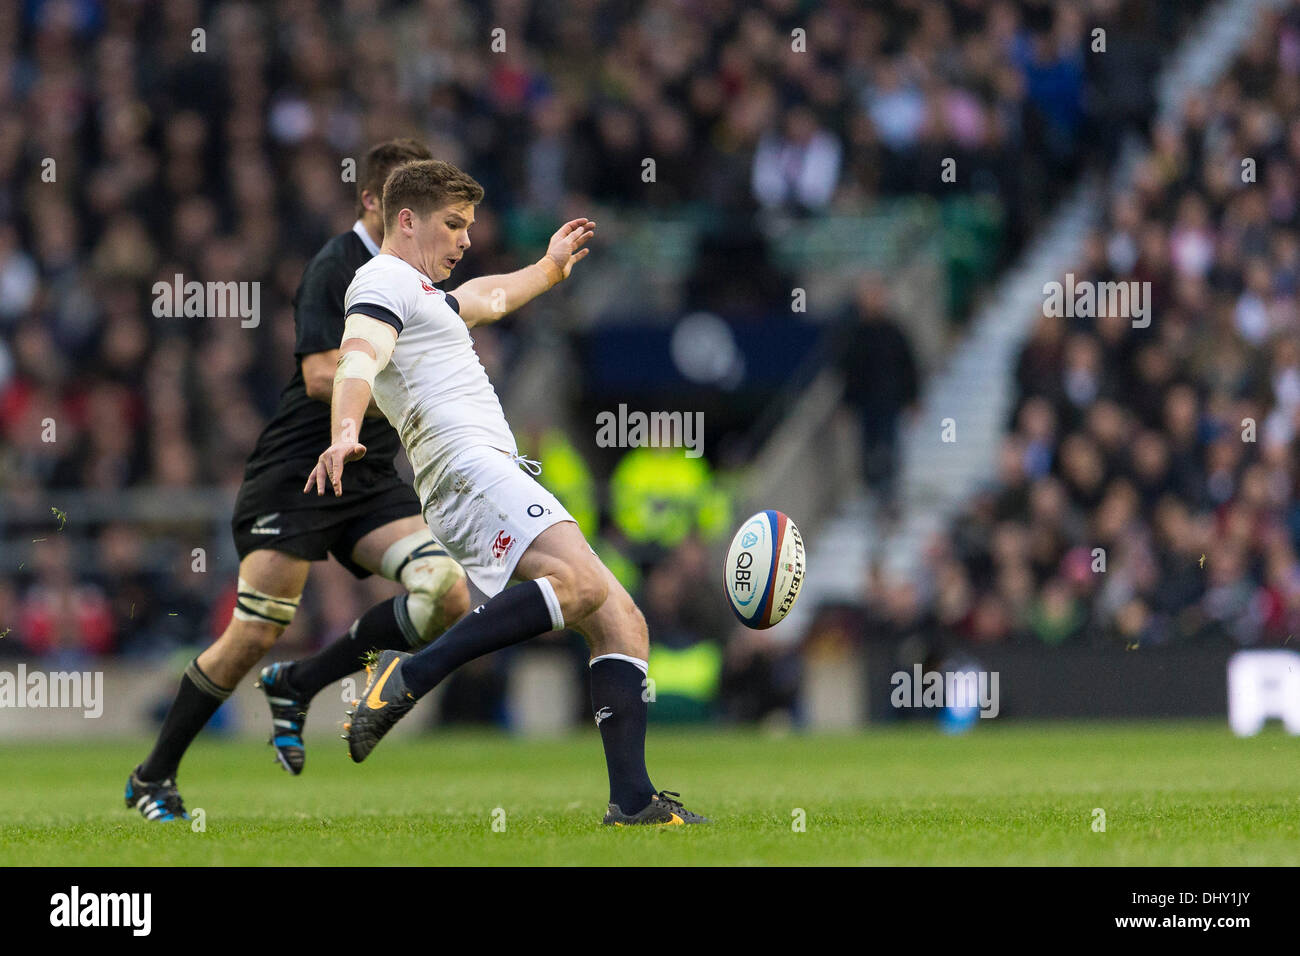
[[262, 608], [428, 573]]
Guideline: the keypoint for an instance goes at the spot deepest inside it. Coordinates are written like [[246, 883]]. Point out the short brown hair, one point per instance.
[[426, 185], [381, 160]]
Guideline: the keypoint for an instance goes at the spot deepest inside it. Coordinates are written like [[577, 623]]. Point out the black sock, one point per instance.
[[516, 614], [621, 714], [384, 627], [196, 701]]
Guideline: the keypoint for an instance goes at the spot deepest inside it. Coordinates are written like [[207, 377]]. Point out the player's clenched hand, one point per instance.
[[566, 245], [329, 467]]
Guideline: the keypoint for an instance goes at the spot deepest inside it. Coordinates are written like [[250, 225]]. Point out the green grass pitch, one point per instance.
[[1174, 793]]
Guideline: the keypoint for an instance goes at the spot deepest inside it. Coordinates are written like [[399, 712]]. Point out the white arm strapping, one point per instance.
[[381, 336], [378, 335]]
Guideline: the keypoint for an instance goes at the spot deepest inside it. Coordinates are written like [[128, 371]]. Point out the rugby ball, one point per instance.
[[764, 569]]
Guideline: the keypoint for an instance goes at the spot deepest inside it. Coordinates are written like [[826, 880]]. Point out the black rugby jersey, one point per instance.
[[300, 429]]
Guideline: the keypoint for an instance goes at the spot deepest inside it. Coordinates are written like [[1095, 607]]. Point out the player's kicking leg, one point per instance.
[[565, 584], [436, 596], [270, 586]]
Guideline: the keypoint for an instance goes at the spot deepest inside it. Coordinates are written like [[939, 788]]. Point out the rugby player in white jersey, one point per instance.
[[407, 345]]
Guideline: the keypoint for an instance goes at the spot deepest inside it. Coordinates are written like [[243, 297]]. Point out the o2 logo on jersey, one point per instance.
[[536, 511]]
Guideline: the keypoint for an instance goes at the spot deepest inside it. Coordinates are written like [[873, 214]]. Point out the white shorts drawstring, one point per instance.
[[534, 468]]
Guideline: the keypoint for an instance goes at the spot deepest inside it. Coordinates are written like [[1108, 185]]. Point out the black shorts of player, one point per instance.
[[273, 513]]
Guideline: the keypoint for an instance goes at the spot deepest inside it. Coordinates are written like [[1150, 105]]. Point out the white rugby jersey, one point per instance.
[[433, 390]]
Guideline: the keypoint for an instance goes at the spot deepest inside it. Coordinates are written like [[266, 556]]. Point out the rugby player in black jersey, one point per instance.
[[376, 527]]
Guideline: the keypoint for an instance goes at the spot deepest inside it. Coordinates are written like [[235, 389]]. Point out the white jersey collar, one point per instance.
[[361, 231]]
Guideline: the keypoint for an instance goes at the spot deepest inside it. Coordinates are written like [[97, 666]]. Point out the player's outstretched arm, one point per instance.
[[319, 379], [367, 347], [318, 370], [487, 298]]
